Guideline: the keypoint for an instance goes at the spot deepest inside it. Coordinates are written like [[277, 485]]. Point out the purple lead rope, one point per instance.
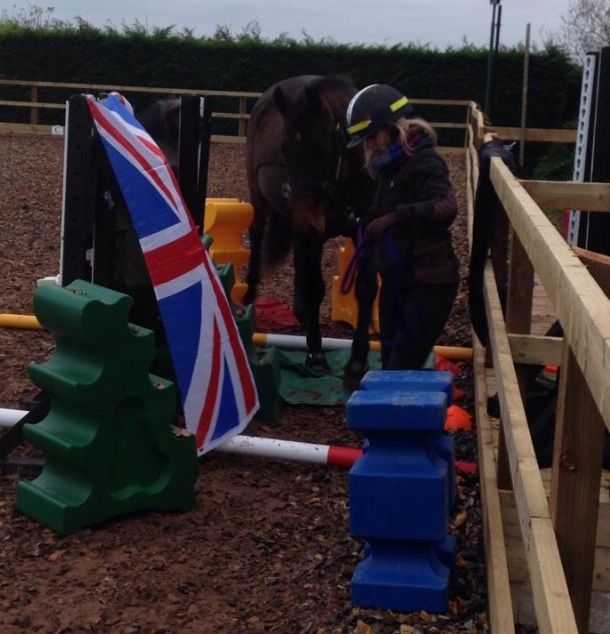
[[349, 278]]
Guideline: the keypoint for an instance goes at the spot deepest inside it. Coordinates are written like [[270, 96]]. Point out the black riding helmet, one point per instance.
[[372, 108]]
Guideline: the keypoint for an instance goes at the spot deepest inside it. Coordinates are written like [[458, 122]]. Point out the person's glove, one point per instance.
[[376, 228]]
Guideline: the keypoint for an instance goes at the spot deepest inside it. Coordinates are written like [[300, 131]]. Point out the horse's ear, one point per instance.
[[281, 101]]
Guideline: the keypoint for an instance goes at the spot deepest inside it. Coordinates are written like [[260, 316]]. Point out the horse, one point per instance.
[[161, 119], [305, 187]]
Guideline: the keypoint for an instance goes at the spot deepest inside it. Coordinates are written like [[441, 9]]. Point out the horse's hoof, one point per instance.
[[352, 375], [317, 362]]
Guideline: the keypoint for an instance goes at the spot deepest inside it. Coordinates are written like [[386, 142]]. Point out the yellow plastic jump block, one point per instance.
[[344, 306], [226, 220]]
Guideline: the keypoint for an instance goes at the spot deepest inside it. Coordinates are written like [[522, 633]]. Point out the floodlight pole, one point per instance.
[[494, 40], [526, 65]]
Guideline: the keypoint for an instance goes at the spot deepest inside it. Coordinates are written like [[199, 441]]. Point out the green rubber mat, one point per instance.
[[302, 386]]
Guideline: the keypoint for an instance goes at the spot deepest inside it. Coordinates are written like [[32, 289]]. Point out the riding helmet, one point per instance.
[[373, 107]]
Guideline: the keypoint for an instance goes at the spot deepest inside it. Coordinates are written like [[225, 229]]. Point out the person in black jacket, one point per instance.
[[406, 232]]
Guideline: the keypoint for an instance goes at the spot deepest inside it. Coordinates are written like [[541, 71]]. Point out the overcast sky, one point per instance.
[[440, 23]]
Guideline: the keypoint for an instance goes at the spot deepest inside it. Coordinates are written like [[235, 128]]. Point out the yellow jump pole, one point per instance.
[[454, 353], [20, 321], [295, 342]]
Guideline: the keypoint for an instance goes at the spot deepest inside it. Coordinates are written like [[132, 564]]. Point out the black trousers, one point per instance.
[[411, 320]]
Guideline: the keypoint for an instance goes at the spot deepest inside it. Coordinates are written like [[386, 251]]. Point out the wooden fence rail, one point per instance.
[[239, 113], [36, 103], [558, 538]]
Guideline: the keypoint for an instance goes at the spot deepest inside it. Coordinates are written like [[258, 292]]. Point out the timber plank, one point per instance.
[[512, 529], [549, 587], [498, 585], [535, 134], [569, 194], [536, 349], [580, 304], [547, 578], [577, 465]]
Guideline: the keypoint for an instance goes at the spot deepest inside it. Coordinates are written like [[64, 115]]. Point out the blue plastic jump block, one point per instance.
[[445, 550], [400, 490], [404, 576], [419, 381], [445, 447], [409, 381], [396, 410]]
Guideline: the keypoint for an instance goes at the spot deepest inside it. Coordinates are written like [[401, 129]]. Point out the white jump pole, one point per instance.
[[298, 342], [332, 455], [253, 446], [291, 450], [10, 417]]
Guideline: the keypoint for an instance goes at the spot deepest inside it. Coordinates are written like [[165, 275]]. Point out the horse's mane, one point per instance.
[[332, 82], [336, 90]]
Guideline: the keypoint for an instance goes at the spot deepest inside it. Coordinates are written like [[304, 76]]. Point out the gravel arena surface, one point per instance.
[[267, 547]]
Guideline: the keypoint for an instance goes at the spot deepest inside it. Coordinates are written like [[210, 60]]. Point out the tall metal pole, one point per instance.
[[498, 24], [526, 65], [490, 58], [495, 57]]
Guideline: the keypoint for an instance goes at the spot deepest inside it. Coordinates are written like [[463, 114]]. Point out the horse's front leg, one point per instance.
[[253, 274], [366, 291], [309, 293]]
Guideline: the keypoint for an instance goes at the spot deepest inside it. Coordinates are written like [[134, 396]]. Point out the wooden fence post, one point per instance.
[[34, 109], [241, 131], [577, 467]]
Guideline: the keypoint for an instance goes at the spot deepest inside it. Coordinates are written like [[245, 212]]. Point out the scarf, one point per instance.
[[416, 141]]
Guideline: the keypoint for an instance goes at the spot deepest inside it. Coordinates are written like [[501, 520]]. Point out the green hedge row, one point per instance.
[[140, 59]]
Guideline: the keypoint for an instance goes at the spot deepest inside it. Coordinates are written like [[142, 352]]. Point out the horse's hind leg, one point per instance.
[[309, 293], [366, 290]]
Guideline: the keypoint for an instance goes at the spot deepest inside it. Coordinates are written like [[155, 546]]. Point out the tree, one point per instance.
[[32, 17], [585, 27]]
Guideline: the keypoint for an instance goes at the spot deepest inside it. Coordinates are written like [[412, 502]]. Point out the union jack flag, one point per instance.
[[214, 378]]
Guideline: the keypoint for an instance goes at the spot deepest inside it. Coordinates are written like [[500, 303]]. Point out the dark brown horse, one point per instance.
[[161, 118], [305, 187]]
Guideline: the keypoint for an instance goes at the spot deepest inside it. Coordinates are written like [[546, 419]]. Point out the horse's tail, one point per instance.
[[279, 238]]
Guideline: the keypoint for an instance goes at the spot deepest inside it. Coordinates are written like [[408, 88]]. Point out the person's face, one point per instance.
[[377, 143]]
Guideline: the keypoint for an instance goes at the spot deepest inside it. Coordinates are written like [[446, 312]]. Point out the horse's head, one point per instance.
[[312, 142], [313, 147], [162, 121]]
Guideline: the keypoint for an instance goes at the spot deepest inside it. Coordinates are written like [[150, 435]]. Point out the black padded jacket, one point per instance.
[[417, 249]]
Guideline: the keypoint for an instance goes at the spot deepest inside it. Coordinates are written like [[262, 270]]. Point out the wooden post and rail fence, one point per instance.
[[34, 100], [555, 540], [546, 531]]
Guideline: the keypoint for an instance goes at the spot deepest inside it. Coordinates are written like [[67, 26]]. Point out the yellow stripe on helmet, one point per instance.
[[399, 103], [363, 125], [357, 127]]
